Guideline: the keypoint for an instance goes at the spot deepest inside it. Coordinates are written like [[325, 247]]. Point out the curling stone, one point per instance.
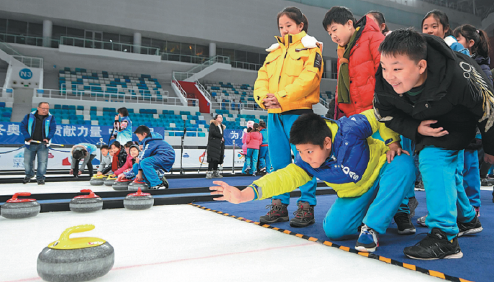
[[98, 180], [121, 184], [20, 208], [75, 259], [109, 181], [86, 203], [135, 185], [138, 201]]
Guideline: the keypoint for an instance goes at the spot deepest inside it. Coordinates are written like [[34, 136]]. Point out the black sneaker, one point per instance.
[[404, 224], [304, 215], [159, 186], [278, 212], [41, 182], [435, 246], [26, 179], [471, 227]]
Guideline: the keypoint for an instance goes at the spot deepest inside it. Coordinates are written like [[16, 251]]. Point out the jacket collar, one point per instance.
[[289, 39]]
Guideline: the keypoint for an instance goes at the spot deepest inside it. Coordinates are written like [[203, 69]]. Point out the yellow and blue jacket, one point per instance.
[[352, 167], [292, 72]]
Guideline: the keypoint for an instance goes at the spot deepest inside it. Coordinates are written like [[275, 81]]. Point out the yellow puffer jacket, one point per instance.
[[292, 72]]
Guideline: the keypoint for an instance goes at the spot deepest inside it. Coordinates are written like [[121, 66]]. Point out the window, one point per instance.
[[187, 49], [252, 58], [202, 50], [17, 27], [58, 31], [126, 39], [156, 43], [173, 47], [240, 56], [75, 32], [3, 26], [35, 30]]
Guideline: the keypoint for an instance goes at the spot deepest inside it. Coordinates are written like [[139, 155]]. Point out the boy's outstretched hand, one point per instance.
[[426, 129], [394, 150], [231, 194]]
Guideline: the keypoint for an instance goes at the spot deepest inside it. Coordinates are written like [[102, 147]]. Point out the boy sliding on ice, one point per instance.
[[369, 177]]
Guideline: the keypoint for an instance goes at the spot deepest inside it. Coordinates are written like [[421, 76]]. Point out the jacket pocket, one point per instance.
[[271, 64], [295, 62]]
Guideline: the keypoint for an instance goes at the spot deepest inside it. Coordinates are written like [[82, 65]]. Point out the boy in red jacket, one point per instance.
[[358, 59]]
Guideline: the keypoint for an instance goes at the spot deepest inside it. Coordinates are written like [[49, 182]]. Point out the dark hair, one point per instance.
[[380, 20], [41, 103], [128, 144], [143, 129], [405, 42], [134, 146], [78, 153], [295, 15], [255, 127], [249, 129], [310, 129], [441, 17], [123, 111], [339, 15], [262, 123], [104, 147], [479, 37], [116, 144], [216, 116]]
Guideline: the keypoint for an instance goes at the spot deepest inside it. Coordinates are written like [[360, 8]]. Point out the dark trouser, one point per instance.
[[484, 167], [89, 166], [212, 165]]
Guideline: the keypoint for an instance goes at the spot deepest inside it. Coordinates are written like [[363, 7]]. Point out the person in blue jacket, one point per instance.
[[122, 131], [84, 151], [264, 161], [156, 154], [37, 127]]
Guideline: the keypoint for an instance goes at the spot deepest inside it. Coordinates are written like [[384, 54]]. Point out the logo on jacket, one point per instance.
[[25, 74], [352, 174]]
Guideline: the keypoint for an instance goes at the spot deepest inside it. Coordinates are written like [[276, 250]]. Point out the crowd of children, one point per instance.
[[400, 95]]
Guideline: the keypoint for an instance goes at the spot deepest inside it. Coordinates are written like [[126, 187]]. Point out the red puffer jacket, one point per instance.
[[363, 63]]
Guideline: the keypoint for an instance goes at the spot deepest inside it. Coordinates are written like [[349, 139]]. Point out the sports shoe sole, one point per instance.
[[366, 250], [279, 219], [453, 256], [304, 224], [407, 231], [470, 231]]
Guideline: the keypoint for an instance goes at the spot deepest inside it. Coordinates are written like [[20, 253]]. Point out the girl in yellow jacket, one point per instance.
[[287, 86]]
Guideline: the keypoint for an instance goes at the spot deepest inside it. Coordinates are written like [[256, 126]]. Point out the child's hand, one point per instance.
[[230, 193], [426, 129], [271, 102], [79, 173], [99, 173], [139, 176], [71, 171], [394, 149], [489, 158]]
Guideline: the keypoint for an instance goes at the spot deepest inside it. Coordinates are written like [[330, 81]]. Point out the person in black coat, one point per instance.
[[216, 147]]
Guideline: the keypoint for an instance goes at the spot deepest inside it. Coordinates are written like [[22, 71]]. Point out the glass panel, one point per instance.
[[240, 56], [35, 29], [145, 41], [88, 34], [230, 53], [110, 37], [126, 39], [58, 31], [202, 50], [187, 49], [16, 27], [157, 43], [3, 26], [75, 32], [253, 58], [262, 58], [173, 47]]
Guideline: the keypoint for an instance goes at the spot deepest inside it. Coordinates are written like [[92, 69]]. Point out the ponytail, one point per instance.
[[479, 37]]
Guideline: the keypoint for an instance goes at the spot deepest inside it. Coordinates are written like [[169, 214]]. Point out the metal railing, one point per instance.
[[28, 40], [324, 103], [114, 46], [216, 59], [32, 62], [204, 90], [245, 65], [182, 91], [236, 106], [87, 95], [110, 90], [9, 50], [183, 58]]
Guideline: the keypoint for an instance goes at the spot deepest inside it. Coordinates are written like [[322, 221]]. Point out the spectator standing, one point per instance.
[[37, 127]]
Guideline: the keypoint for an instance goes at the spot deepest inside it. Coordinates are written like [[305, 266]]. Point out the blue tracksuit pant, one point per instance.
[[251, 159], [279, 153], [443, 182], [409, 146], [264, 161], [377, 206], [471, 177], [150, 167]]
